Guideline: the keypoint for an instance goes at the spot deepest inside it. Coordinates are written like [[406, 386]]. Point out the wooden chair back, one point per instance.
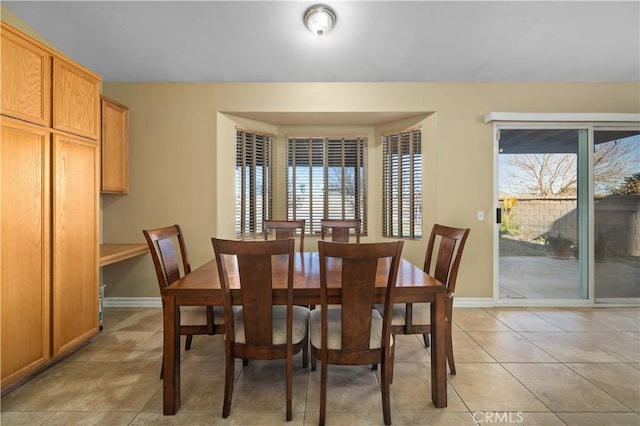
[[444, 252], [251, 262], [340, 229], [169, 254], [285, 229], [359, 268]]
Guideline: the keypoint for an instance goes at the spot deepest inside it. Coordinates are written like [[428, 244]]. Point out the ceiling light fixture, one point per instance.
[[319, 19]]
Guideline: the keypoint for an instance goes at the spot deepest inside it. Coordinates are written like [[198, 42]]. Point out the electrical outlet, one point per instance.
[[480, 215]]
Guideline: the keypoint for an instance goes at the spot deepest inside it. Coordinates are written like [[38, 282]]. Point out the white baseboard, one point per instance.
[[133, 302], [473, 302], [156, 302]]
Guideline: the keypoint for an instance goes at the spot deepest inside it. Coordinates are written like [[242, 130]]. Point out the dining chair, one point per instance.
[[340, 229], [259, 329], [285, 229], [442, 261], [171, 262], [354, 333]]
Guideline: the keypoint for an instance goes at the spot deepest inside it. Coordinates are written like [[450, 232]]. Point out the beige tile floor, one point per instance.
[[515, 366]]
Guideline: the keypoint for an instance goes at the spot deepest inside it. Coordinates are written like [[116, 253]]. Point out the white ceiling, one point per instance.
[[373, 41]]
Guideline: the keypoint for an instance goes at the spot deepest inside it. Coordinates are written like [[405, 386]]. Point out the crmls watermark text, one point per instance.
[[489, 417]]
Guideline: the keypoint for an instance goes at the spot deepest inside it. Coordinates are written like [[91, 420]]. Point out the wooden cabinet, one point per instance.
[[115, 147], [26, 79], [25, 287], [76, 94], [49, 206], [75, 244]]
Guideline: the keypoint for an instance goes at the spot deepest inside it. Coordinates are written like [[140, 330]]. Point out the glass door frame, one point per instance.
[[579, 121]]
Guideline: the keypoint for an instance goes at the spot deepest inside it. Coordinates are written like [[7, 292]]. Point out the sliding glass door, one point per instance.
[[568, 214], [616, 215], [540, 206]]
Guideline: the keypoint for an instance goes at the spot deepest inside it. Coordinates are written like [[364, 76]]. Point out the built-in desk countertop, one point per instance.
[[112, 253]]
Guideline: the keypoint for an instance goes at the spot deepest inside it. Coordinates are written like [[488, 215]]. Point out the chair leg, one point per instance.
[[228, 386], [449, 347], [187, 344], [289, 387], [425, 337], [385, 378], [305, 352], [323, 393]]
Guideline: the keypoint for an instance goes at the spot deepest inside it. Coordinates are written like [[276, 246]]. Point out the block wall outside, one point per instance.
[[617, 221]]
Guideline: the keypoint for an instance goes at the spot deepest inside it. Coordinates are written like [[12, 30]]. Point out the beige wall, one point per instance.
[[182, 156]]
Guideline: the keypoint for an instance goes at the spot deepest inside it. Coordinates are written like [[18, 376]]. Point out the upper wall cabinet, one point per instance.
[[26, 79], [46, 88], [115, 147], [76, 94]]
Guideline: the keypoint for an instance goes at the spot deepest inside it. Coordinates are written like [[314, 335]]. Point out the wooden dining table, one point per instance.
[[202, 287]]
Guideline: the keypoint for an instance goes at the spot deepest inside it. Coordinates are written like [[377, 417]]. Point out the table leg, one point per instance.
[[171, 356], [438, 352]]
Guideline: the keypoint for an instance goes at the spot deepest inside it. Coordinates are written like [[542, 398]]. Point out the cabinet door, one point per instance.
[[24, 259], [26, 79], [75, 241], [76, 99], [115, 147]]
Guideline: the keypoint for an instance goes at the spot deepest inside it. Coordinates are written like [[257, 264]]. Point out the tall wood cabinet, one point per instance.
[[49, 205], [25, 290]]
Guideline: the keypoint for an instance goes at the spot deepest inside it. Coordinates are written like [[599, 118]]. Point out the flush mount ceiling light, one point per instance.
[[319, 19]]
